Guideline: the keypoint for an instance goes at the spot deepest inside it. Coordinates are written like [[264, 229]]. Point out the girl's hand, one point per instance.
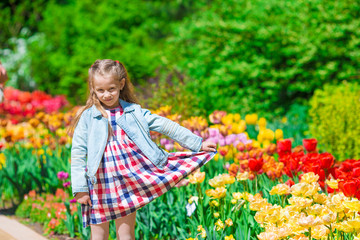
[[83, 198], [208, 146]]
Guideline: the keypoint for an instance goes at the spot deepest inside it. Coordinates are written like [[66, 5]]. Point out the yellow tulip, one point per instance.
[[203, 233], [305, 189], [320, 198], [269, 134], [333, 183], [251, 119], [219, 192], [216, 215], [309, 221], [237, 117], [242, 176], [268, 236], [300, 202], [214, 203], [255, 144], [262, 123], [2, 160], [228, 222], [280, 189], [197, 177], [40, 152], [228, 179], [217, 181], [279, 134], [353, 205], [219, 225], [329, 218], [259, 204], [309, 177], [319, 232], [231, 237]]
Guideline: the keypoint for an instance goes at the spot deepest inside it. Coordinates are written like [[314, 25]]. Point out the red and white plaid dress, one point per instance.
[[127, 180]]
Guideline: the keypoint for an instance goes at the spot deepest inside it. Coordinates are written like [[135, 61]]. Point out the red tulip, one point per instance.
[[310, 144], [284, 145], [348, 187], [290, 182], [255, 164], [288, 172], [356, 172], [326, 160]]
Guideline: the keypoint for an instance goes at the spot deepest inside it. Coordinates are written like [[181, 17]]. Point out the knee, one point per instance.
[[99, 237], [125, 237]]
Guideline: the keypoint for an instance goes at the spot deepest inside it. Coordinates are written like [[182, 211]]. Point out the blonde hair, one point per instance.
[[104, 68]]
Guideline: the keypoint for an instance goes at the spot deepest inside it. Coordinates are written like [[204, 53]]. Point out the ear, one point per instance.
[[122, 83]]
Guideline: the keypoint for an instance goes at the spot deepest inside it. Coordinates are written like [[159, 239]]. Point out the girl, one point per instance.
[[115, 166]]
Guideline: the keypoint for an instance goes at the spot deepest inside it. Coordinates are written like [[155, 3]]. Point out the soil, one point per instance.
[[8, 209]]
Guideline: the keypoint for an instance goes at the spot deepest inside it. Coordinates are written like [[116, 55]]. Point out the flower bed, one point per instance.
[[257, 186]]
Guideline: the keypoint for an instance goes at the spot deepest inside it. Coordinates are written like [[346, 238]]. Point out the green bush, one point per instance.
[[335, 120], [262, 55], [76, 33], [167, 88]]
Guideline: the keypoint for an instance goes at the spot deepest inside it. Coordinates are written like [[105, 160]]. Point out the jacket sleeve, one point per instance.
[[78, 157], [173, 130]]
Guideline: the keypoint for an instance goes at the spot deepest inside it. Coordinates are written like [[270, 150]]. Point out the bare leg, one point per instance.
[[99, 231], [125, 227]]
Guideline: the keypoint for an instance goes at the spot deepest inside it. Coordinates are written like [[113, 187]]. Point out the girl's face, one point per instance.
[[108, 91]]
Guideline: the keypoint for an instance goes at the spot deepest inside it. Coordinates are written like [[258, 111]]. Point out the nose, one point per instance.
[[106, 95]]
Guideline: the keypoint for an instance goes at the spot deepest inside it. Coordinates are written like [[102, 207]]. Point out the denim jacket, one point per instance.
[[91, 134]]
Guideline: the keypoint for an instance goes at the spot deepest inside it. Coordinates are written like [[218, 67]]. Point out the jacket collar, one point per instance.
[[128, 107]]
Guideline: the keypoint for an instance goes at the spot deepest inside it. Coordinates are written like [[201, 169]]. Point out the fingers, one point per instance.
[[210, 149], [89, 202]]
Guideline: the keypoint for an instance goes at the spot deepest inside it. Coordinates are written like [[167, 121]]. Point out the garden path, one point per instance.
[[11, 229]]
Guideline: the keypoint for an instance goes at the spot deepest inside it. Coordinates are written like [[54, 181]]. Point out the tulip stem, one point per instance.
[[200, 204], [310, 233], [256, 183]]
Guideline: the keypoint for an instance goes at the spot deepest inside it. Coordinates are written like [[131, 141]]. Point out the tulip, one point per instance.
[[290, 182], [164, 141], [284, 146], [255, 164], [66, 184], [213, 132], [169, 146], [223, 150], [62, 175], [279, 134], [251, 119], [349, 188], [326, 160], [216, 116], [310, 144]]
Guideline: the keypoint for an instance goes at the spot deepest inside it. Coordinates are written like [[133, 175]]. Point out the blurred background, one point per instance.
[[261, 56]]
